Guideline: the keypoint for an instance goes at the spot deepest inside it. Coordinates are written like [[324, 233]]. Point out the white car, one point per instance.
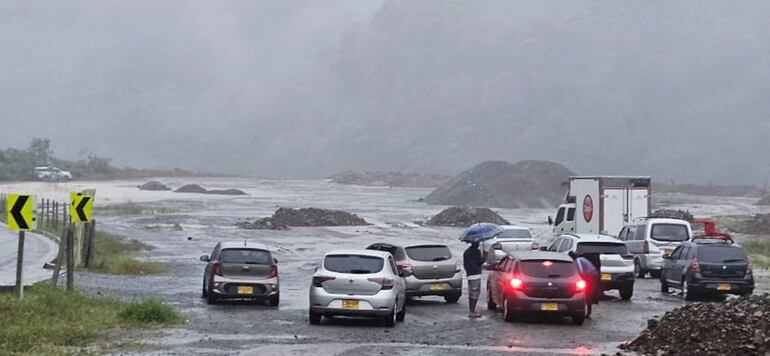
[[358, 283], [616, 265], [51, 174], [652, 239], [512, 238]]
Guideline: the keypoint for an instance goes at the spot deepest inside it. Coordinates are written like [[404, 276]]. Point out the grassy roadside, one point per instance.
[[51, 321], [759, 252]]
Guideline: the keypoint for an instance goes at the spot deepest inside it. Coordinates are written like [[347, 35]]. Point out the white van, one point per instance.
[[651, 239]]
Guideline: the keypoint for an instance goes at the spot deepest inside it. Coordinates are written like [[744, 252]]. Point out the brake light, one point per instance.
[[405, 267], [457, 266], [318, 280], [547, 263], [273, 271], [217, 269], [516, 283], [646, 247], [385, 283], [580, 285], [695, 266]]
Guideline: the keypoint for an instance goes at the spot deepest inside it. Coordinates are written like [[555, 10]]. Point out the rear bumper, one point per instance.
[[566, 306], [717, 286], [441, 286], [617, 281], [380, 304], [652, 262], [260, 288]]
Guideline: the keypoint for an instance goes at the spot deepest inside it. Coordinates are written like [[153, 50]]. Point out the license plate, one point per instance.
[[724, 287], [245, 290], [549, 307], [437, 286], [606, 277], [349, 304]]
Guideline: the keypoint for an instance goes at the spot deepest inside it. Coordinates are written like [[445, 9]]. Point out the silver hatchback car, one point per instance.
[[358, 283], [240, 270], [431, 268]]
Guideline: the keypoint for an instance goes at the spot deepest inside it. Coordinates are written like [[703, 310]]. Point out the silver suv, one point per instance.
[[358, 283], [432, 269], [653, 239], [240, 270]]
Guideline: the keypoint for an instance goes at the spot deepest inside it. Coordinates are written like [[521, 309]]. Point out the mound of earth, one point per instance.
[[739, 326], [283, 218], [673, 214], [230, 191], [154, 186], [465, 216], [389, 179], [191, 188], [759, 224], [526, 184], [765, 200]]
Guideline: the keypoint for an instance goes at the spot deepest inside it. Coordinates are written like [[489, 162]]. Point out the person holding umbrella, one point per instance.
[[473, 260]]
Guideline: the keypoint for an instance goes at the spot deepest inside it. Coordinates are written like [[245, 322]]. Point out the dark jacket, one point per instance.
[[473, 260]]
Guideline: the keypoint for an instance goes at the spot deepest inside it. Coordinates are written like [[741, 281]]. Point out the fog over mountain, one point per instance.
[[674, 89]]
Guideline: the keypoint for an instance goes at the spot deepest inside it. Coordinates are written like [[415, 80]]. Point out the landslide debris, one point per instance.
[[466, 216], [283, 218], [389, 179], [673, 214], [154, 186], [195, 188], [739, 326], [230, 191], [525, 184]]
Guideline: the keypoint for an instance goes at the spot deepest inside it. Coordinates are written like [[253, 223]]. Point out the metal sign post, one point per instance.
[[21, 214]]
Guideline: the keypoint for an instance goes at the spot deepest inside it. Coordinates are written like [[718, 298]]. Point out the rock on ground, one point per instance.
[[465, 216], [673, 214], [154, 186], [526, 184], [389, 179], [230, 191], [191, 188], [283, 218], [739, 326]]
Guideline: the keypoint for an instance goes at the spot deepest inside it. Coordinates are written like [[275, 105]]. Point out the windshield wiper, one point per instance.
[[440, 259], [554, 275], [734, 260], [360, 271]]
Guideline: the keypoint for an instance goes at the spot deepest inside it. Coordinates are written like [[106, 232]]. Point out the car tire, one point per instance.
[[402, 314], [273, 300], [452, 298], [626, 292], [491, 305], [211, 299], [390, 319], [638, 271], [314, 318], [509, 314], [663, 284], [655, 273], [204, 294], [688, 293], [578, 319]]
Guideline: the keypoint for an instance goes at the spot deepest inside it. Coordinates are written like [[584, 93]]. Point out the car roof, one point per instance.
[[593, 238], [667, 221], [362, 252], [542, 255], [513, 227], [243, 244]]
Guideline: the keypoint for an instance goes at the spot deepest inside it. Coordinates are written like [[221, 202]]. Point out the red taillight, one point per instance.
[[385, 283], [695, 266], [547, 263], [580, 285], [405, 267], [273, 271], [217, 269], [646, 247], [516, 283], [318, 280]]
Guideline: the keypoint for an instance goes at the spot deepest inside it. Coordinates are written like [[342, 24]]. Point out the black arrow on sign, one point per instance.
[[80, 207], [16, 212]]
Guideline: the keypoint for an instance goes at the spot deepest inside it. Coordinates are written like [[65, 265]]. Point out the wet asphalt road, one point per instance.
[[432, 327]]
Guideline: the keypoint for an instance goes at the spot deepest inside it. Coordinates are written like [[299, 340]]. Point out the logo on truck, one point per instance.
[[588, 208]]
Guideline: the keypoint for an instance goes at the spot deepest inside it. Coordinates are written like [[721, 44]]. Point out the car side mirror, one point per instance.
[[497, 246], [275, 261], [205, 258], [489, 267], [543, 248], [550, 220], [404, 273]]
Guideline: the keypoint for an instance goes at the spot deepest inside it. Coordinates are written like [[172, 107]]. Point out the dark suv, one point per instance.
[[539, 283], [707, 266]]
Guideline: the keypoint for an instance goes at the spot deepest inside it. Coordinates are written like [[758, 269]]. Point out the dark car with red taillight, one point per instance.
[[537, 283], [240, 270]]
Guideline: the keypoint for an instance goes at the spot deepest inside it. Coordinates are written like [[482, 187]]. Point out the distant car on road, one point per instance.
[[362, 283], [52, 174], [512, 238], [241, 270], [704, 266], [537, 283], [652, 239], [617, 266], [432, 269]]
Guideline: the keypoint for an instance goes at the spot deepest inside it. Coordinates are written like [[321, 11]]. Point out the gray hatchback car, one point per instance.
[[240, 270], [432, 269]]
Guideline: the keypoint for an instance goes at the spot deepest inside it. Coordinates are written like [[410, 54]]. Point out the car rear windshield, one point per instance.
[[246, 256], [547, 268], [432, 253], [606, 248], [356, 264], [721, 254], [515, 234], [669, 232]]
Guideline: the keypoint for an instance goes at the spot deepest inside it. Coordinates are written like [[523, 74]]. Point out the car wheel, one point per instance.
[[491, 305], [638, 271], [452, 298], [509, 314], [390, 319], [655, 273], [663, 283], [688, 293], [211, 298], [204, 294], [314, 318], [273, 300], [627, 292], [580, 317], [402, 314]]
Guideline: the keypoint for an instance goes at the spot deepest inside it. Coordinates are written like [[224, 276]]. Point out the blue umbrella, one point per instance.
[[480, 232]]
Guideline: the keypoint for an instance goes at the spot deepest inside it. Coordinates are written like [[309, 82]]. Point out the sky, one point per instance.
[[675, 90]]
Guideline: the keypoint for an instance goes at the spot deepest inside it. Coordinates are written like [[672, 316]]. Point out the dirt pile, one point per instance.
[[194, 188], [526, 184], [389, 179], [673, 214], [283, 218], [154, 186], [230, 191], [739, 326], [465, 216]]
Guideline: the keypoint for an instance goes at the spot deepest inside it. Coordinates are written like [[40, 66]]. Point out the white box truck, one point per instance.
[[602, 204]]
